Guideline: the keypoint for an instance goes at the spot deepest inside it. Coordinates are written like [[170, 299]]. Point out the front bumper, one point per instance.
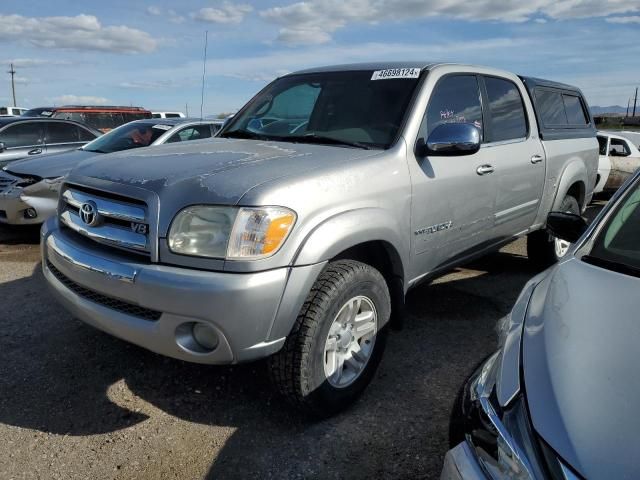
[[15, 200], [115, 294]]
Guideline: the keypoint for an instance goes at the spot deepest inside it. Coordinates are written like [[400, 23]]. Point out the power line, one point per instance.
[[204, 71], [13, 84]]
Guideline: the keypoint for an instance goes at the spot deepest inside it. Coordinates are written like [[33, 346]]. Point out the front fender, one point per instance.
[[351, 228]]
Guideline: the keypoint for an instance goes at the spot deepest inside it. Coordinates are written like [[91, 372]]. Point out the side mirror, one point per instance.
[[566, 226], [451, 139], [3, 147]]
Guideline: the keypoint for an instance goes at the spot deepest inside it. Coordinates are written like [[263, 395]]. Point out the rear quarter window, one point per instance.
[[560, 110]]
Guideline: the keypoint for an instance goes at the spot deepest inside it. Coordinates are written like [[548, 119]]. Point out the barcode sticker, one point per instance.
[[395, 73]]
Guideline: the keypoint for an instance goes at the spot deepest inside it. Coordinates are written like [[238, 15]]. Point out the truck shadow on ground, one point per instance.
[[58, 375]]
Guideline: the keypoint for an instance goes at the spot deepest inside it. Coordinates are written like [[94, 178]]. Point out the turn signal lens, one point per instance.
[[259, 232]]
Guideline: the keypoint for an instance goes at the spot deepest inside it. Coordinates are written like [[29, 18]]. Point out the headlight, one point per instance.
[[503, 440], [500, 454], [230, 232]]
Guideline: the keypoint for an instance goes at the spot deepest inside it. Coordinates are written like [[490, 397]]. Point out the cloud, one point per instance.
[[314, 22], [227, 13], [172, 15], [152, 84], [631, 19], [82, 32], [80, 100], [36, 62]]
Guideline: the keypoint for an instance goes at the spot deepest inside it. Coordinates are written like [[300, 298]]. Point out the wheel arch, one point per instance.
[[572, 182]]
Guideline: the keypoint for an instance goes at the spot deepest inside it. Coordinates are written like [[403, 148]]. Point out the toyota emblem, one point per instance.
[[89, 213]]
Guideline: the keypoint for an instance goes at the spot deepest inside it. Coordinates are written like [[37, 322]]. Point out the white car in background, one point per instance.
[[167, 115], [619, 159], [11, 111]]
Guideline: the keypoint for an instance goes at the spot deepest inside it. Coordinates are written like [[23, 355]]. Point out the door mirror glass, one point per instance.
[[566, 226], [451, 139], [3, 147]]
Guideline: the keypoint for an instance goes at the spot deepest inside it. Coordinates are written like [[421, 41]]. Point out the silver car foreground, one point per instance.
[[29, 188], [560, 398]]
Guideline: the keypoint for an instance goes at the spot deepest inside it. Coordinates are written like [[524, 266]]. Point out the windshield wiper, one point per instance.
[[612, 265], [97, 150], [314, 138], [244, 134]]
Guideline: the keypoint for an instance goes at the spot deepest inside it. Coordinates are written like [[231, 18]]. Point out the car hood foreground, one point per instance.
[[580, 354], [50, 166], [208, 172]]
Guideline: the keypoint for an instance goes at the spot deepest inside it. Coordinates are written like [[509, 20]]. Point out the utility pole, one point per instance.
[[13, 84], [186, 107], [635, 100], [628, 104]]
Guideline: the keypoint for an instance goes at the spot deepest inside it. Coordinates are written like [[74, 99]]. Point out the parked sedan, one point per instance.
[[559, 399], [29, 188], [619, 159], [27, 137]]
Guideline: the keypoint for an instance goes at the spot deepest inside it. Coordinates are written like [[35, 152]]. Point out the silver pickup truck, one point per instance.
[[297, 234]]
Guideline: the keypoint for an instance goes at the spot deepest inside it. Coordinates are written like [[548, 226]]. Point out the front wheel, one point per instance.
[[337, 341], [543, 248]]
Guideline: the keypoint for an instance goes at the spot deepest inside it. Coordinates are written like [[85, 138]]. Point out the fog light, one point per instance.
[[206, 336], [30, 213]]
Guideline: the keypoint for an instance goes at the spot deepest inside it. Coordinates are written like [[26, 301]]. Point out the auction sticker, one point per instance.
[[163, 127], [395, 73]]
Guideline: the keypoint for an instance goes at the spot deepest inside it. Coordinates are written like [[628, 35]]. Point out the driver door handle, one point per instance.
[[484, 169], [536, 159], [35, 151]]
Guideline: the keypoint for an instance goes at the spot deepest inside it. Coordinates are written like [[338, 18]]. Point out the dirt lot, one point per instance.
[[76, 403]]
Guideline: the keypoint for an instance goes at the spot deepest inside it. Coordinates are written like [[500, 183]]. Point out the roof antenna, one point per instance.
[[204, 71]]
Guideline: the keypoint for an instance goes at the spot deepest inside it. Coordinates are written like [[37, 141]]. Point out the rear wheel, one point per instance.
[[338, 339], [545, 249]]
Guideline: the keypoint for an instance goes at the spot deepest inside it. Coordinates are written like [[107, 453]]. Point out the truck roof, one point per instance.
[[424, 65]]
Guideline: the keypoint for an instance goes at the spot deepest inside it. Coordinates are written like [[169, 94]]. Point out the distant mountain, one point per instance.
[[595, 110]]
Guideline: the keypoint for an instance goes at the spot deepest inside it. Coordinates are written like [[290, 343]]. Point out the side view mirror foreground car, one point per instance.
[[566, 226], [3, 147], [451, 139]]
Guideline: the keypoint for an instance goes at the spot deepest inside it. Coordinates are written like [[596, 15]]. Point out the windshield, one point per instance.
[[357, 109], [131, 135], [617, 245]]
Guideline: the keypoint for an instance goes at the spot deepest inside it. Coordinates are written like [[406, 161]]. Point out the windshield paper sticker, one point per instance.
[[162, 127], [396, 73]]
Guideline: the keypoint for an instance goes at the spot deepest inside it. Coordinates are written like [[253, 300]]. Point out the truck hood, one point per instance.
[[50, 166], [580, 358], [218, 171]]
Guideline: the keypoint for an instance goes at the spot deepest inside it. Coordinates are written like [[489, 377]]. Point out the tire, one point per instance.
[[299, 370], [541, 245]]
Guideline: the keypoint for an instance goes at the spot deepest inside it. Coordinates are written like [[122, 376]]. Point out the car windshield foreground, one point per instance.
[[617, 245], [361, 109]]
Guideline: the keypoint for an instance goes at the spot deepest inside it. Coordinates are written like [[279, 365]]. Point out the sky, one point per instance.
[[149, 53]]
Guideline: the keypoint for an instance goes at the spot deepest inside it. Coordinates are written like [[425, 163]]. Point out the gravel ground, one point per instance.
[[76, 403]]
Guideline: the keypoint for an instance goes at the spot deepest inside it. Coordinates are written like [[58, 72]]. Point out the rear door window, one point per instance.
[[507, 115], [85, 135], [22, 135], [619, 148], [58, 132], [455, 99]]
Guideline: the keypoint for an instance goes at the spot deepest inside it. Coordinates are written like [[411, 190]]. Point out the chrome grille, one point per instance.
[[118, 223]]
